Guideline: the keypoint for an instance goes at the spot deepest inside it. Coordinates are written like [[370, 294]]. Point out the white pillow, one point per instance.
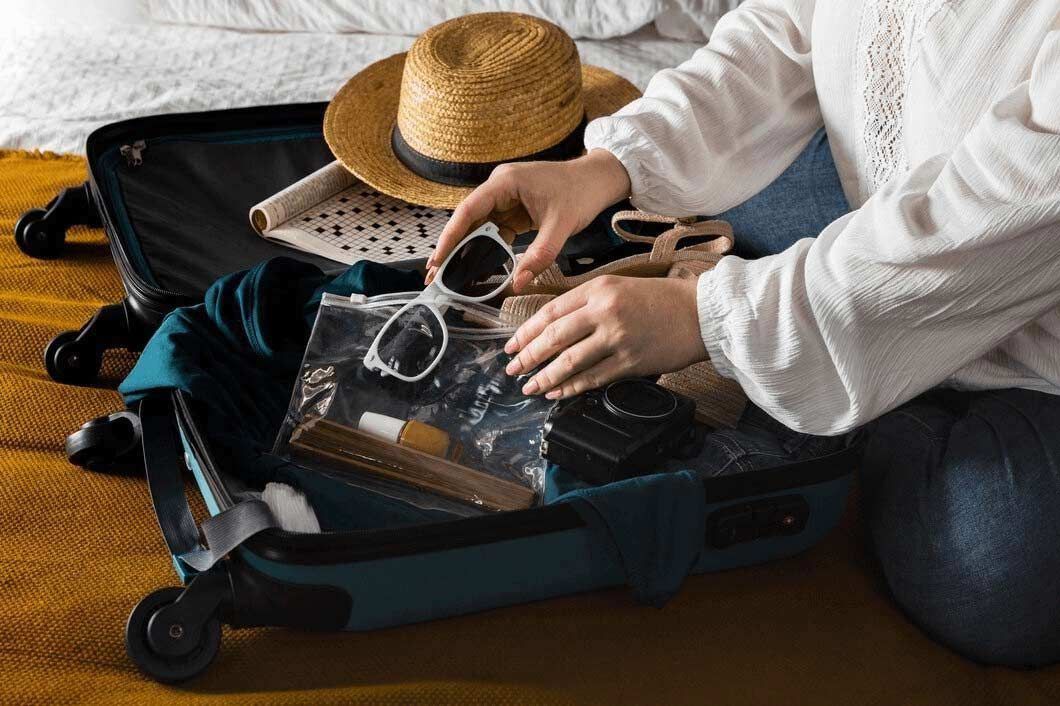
[[590, 19], [16, 13]]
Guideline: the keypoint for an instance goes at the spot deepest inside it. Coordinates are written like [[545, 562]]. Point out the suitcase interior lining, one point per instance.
[[191, 195]]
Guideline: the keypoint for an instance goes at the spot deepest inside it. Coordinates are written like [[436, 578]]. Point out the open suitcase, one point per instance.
[[172, 193]]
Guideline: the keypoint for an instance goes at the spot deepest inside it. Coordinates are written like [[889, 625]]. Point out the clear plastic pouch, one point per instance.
[[464, 439]]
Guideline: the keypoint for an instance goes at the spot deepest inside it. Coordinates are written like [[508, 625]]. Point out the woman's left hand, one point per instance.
[[607, 329]]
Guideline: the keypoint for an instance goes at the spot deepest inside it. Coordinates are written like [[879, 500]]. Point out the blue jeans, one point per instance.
[[960, 490]]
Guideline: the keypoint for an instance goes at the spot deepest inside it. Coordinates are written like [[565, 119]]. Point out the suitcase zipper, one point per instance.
[[134, 153], [497, 325], [142, 290]]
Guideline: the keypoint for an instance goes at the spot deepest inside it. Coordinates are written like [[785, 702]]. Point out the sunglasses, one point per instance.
[[412, 341]]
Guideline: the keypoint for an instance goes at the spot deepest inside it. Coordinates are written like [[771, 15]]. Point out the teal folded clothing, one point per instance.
[[653, 524]]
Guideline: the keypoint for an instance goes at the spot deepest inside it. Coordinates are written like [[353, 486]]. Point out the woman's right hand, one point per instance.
[[557, 199]]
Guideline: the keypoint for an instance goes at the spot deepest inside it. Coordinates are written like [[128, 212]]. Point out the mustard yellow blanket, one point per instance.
[[77, 550]]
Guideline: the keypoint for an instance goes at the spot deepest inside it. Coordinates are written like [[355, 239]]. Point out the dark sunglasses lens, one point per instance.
[[411, 342], [476, 260]]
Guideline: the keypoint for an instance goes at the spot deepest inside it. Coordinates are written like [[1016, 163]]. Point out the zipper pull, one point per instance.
[[134, 153]]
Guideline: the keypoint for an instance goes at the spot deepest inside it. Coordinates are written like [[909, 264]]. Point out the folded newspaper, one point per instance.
[[333, 214]]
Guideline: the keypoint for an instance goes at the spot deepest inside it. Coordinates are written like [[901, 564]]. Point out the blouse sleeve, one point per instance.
[[719, 128], [941, 265]]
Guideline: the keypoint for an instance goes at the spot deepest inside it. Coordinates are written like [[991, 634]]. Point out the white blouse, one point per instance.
[[944, 120]]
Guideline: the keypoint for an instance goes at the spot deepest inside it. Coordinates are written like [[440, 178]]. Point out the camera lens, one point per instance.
[[639, 399]]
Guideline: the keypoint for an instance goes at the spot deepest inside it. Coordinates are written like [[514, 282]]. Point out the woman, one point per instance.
[[930, 309]]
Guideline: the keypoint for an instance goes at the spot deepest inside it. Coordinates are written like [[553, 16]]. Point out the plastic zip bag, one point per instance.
[[464, 439]]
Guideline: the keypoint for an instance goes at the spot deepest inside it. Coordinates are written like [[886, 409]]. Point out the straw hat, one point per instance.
[[471, 93]]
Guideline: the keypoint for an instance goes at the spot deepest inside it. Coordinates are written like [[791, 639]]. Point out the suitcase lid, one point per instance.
[[174, 192]]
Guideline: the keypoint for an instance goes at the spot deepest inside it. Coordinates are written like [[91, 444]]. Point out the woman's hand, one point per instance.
[[606, 329], [556, 198]]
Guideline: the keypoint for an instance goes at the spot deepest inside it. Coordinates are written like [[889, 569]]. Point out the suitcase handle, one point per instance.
[[194, 549]]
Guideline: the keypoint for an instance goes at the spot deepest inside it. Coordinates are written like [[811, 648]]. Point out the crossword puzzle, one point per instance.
[[374, 226]]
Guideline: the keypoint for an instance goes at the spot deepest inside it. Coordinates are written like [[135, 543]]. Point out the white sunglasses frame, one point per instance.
[[434, 298]]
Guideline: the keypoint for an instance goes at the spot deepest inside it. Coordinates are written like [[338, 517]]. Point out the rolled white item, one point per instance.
[[381, 426], [291, 508]]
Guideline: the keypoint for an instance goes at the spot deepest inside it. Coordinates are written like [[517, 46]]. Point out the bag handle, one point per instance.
[[664, 245]]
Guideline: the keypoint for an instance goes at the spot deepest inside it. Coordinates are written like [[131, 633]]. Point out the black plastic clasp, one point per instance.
[[756, 519]]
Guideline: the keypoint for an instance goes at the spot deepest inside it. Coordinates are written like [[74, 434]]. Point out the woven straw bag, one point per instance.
[[719, 400]]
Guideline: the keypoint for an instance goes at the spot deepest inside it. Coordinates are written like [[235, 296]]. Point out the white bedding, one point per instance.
[[581, 19], [59, 83]]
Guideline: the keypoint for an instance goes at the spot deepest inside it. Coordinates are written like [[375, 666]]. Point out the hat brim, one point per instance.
[[359, 120]]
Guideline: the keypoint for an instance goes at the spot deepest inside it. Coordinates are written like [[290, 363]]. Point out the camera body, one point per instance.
[[625, 429]]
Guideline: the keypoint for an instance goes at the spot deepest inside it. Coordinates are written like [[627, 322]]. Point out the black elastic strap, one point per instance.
[[162, 461], [474, 173]]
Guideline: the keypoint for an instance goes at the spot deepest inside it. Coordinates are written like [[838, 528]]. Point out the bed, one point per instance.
[[78, 549], [63, 78]]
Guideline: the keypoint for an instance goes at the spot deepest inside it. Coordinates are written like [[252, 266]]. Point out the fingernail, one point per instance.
[[511, 346], [522, 279], [530, 388], [553, 394], [513, 367]]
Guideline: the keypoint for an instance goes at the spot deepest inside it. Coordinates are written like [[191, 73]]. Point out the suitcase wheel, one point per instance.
[[41, 232], [71, 361], [168, 650], [35, 238], [110, 444]]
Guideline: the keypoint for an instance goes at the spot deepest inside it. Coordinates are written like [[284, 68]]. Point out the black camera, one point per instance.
[[628, 428]]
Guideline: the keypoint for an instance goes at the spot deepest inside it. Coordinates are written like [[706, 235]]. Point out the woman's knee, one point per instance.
[[966, 535]]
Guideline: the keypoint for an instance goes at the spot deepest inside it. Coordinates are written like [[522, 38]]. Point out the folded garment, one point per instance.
[[655, 524]]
